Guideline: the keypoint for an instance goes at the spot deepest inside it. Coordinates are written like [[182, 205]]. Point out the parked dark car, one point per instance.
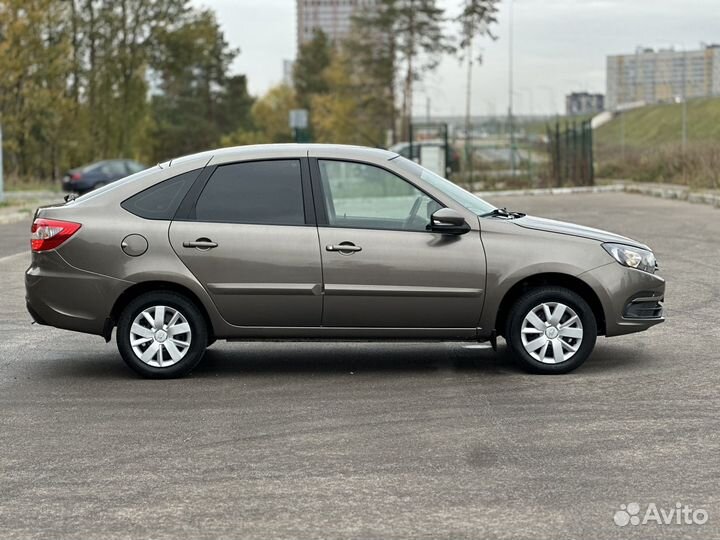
[[95, 175]]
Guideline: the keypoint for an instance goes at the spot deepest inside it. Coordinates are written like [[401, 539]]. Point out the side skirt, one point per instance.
[[346, 333]]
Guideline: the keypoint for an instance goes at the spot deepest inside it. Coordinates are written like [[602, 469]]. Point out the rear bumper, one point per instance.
[[631, 299], [58, 294]]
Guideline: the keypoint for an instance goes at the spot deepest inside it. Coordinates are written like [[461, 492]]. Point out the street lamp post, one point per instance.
[[511, 123], [684, 103]]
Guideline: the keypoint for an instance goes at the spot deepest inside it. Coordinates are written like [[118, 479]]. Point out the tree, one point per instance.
[[34, 106], [475, 20], [270, 119], [369, 52], [346, 113], [113, 41], [312, 60], [196, 102], [412, 31], [76, 76]]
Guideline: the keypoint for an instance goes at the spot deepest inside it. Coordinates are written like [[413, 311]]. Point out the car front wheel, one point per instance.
[[551, 330], [161, 335]]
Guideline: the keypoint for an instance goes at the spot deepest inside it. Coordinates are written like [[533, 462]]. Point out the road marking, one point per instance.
[[3, 259]]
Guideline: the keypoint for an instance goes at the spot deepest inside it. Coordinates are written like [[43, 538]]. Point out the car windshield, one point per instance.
[[472, 202]]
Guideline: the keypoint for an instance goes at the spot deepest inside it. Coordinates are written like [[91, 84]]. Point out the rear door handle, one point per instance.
[[201, 243], [344, 248]]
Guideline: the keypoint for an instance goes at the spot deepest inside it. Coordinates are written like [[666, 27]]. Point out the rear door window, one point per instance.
[[262, 192]]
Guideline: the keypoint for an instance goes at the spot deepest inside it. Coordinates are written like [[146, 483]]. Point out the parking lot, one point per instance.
[[366, 440]]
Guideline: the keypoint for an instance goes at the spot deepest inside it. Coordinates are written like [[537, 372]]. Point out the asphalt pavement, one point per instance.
[[15, 238], [358, 440]]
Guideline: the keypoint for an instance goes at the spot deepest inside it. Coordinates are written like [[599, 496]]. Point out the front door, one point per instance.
[[381, 266], [249, 241]]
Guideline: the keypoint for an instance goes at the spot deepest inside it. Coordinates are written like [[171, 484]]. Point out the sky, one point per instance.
[[560, 46]]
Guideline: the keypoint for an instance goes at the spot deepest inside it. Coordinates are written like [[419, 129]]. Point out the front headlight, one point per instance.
[[633, 257]]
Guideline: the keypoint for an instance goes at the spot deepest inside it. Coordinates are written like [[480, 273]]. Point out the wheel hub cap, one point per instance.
[[160, 336], [551, 333]]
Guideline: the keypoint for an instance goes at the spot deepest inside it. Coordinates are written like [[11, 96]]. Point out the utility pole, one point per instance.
[[511, 125], [684, 103], [468, 127], [2, 186]]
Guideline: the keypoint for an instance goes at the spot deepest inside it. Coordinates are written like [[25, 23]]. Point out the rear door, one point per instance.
[[382, 268], [250, 238]]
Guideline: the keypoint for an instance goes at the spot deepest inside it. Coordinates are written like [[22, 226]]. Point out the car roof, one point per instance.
[[265, 151]]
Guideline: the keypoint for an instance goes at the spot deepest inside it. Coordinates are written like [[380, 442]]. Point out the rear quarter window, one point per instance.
[[162, 200]]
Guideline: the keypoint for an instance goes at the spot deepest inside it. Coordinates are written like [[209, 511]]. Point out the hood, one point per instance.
[[562, 227]]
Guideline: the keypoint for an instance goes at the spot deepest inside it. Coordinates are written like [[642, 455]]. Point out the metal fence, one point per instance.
[[571, 154]]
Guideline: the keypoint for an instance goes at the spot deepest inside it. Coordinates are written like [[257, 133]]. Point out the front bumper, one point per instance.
[[631, 299]]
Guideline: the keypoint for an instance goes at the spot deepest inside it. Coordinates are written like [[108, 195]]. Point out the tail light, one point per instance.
[[50, 233], [75, 176]]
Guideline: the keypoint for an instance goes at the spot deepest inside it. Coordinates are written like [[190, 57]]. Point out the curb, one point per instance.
[[22, 196], [23, 209], [14, 217], [612, 188], [676, 192]]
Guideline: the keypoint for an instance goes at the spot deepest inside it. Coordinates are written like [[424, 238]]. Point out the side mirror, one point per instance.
[[448, 221]]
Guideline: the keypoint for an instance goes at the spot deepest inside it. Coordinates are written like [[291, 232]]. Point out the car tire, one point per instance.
[[162, 335], [555, 316]]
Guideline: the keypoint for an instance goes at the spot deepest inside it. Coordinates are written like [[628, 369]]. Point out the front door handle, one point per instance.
[[201, 243], [344, 248]]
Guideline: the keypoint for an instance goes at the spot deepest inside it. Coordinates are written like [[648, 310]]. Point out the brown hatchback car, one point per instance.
[[326, 242]]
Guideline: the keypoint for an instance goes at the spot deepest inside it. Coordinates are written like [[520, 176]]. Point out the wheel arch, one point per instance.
[[567, 281], [154, 286]]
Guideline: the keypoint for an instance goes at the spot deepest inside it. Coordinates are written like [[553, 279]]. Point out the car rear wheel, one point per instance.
[[161, 335], [551, 330]]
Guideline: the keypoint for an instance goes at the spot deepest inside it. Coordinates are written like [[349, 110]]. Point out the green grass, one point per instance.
[[657, 125], [653, 150]]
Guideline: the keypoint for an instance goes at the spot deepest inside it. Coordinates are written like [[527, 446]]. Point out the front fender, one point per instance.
[[515, 254]]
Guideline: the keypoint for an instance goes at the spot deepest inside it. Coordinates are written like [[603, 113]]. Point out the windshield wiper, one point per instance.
[[504, 213]]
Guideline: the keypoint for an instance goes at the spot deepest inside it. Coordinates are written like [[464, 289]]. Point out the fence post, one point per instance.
[[566, 156], [581, 156], [576, 154], [591, 155]]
